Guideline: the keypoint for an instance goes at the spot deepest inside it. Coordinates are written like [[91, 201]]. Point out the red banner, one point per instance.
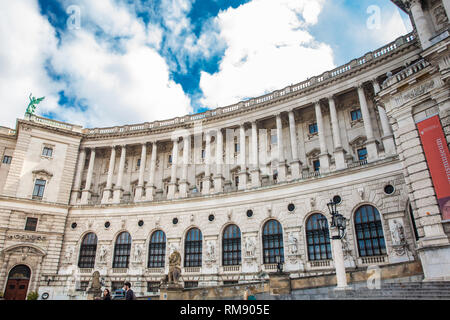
[[438, 159]]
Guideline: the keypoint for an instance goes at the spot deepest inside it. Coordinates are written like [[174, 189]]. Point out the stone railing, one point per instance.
[[53, 123], [155, 270], [290, 90], [7, 131], [232, 269], [373, 260], [270, 267], [405, 73], [320, 263], [192, 269]]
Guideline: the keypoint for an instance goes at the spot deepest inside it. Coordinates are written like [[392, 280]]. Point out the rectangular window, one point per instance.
[[313, 128], [152, 286], [230, 282], [39, 187], [7, 159], [47, 152], [362, 154], [316, 164], [31, 224], [356, 114], [191, 284]]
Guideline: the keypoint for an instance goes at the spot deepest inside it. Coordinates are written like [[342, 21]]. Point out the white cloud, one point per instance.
[[268, 47], [118, 86]]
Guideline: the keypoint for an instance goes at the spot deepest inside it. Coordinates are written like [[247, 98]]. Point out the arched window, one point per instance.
[[193, 248], [122, 250], [318, 238], [369, 232], [272, 242], [157, 250], [231, 246], [88, 249]]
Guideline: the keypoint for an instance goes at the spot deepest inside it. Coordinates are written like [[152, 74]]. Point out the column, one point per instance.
[[184, 184], [422, 27], [295, 164], [86, 195], [150, 189], [282, 170], [140, 186], [219, 178], [173, 174], [112, 163], [339, 152], [371, 143], [255, 171], [118, 190], [338, 258], [207, 179], [243, 175], [388, 136], [324, 157], [77, 184]]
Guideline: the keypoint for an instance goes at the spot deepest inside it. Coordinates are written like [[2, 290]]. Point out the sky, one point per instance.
[[113, 62]]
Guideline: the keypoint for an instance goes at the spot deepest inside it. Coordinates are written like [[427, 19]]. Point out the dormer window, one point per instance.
[[47, 152]]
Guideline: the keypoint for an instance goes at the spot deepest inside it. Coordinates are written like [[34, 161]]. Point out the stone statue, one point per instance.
[[398, 233], [210, 250], [103, 253], [138, 253], [249, 247], [33, 102], [96, 280], [174, 267], [293, 249], [68, 254]]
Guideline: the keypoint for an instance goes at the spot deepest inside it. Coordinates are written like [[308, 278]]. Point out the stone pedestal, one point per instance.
[[265, 180], [243, 180], [171, 292], [279, 283], [218, 183], [74, 197], [282, 172], [435, 262], [256, 178], [138, 193], [389, 145], [150, 192], [372, 150], [206, 186], [338, 257], [94, 294], [118, 193], [106, 196], [85, 196], [295, 169], [339, 159], [324, 162], [184, 188], [172, 190]]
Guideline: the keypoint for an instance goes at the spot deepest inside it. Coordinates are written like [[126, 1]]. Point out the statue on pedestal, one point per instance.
[[95, 292], [174, 267]]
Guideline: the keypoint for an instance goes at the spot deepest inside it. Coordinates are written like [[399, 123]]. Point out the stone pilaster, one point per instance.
[[422, 27], [282, 168], [324, 156], [207, 179], [173, 177], [140, 186], [150, 188], [295, 164], [112, 163], [388, 136], [339, 152], [219, 178], [86, 195], [77, 184], [243, 175], [371, 143], [255, 171], [118, 190], [184, 184]]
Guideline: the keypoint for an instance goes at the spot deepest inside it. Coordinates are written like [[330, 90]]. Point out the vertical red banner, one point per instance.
[[438, 159]]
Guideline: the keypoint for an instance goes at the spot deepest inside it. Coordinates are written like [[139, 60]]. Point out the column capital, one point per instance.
[[360, 86], [175, 139], [331, 97]]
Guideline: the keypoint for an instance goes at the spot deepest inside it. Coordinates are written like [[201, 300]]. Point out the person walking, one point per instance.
[[106, 295], [129, 294]]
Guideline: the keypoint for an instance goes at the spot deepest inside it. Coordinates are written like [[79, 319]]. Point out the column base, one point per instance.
[[172, 190], [118, 193], [106, 196], [324, 162], [389, 145], [206, 189], [256, 178], [372, 150], [435, 263], [74, 197], [85, 196], [339, 158], [243, 180], [282, 172], [218, 183], [138, 193], [295, 169], [184, 188], [150, 192]]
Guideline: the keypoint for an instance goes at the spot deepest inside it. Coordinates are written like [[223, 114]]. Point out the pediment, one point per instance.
[[358, 141], [314, 153], [42, 172]]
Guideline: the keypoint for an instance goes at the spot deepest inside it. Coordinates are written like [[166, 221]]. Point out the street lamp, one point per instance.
[[337, 220]]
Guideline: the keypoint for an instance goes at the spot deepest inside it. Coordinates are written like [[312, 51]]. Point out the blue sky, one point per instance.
[[112, 62]]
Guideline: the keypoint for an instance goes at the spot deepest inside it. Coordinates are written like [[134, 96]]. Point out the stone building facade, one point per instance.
[[119, 200]]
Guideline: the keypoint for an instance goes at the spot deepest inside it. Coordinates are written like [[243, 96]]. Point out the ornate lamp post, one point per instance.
[[338, 226]]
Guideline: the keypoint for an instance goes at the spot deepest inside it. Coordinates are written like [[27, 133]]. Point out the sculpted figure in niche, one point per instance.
[[293, 249], [138, 253], [249, 247], [68, 254], [398, 233], [174, 267], [103, 253], [210, 250]]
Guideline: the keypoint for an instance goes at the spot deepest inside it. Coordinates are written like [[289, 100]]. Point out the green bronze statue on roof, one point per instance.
[[33, 102]]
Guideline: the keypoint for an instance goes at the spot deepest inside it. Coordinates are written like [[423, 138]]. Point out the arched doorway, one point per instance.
[[18, 281]]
